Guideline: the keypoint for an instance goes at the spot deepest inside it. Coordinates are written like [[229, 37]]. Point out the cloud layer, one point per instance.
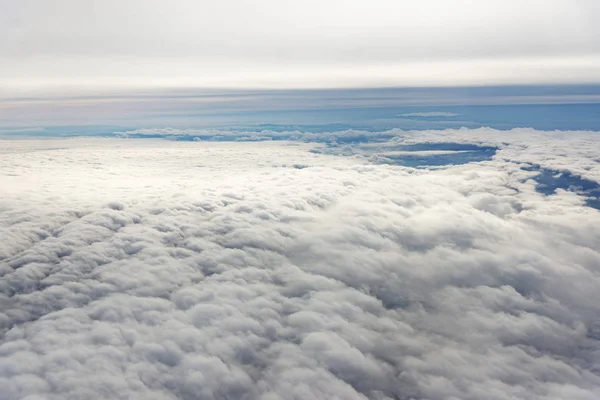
[[430, 114], [158, 269]]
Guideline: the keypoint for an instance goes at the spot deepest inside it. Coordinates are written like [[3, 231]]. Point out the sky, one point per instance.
[[570, 107], [91, 47], [143, 64]]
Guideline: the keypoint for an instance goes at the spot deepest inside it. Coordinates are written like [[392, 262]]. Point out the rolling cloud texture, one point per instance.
[[159, 269]]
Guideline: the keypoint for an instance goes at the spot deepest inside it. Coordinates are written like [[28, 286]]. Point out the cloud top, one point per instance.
[[185, 270]]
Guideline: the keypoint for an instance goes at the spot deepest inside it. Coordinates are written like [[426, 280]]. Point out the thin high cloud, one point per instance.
[[177, 270], [86, 46], [202, 108], [430, 114]]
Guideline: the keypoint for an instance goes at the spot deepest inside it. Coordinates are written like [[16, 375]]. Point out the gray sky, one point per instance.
[[87, 46]]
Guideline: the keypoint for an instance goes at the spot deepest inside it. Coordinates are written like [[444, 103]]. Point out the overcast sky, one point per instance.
[[85, 45]]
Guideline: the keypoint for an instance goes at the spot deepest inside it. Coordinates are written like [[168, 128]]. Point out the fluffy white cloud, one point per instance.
[[161, 269]]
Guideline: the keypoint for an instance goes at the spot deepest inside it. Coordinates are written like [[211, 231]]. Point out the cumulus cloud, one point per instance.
[[161, 269]]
